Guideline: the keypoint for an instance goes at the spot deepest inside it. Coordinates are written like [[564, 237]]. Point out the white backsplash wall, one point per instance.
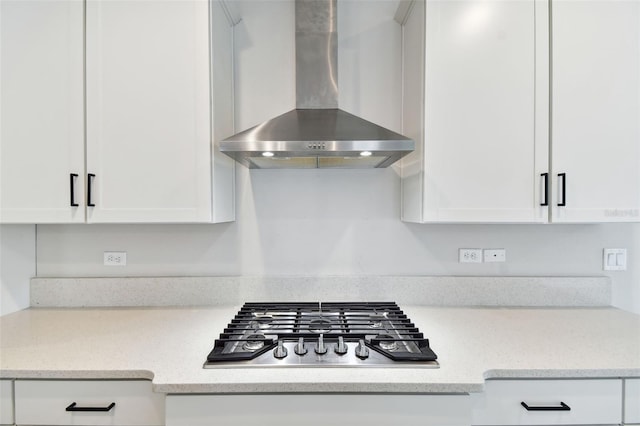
[[17, 266], [330, 222], [336, 223]]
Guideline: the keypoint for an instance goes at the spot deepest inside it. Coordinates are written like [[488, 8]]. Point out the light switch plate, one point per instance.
[[614, 259], [495, 255]]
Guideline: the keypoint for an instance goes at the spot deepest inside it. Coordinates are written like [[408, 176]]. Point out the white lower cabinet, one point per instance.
[[549, 402], [318, 410], [632, 401], [6, 402], [88, 402]]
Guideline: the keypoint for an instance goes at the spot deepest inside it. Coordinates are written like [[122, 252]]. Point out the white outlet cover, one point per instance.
[[115, 258], [614, 259], [466, 255]]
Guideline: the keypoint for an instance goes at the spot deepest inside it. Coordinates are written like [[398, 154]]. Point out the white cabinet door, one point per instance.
[[476, 102], [148, 111], [596, 110], [549, 402], [6, 402], [318, 410], [41, 112], [632, 401], [88, 402]]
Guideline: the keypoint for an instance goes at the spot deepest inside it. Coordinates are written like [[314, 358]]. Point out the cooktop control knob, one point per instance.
[[321, 349], [361, 350], [300, 349], [280, 352], [341, 347]]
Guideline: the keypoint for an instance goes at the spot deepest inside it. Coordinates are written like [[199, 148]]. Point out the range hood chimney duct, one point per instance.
[[316, 54], [317, 134]]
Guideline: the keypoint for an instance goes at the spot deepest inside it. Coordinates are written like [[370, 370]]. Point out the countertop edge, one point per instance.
[[562, 374], [328, 387], [77, 375]]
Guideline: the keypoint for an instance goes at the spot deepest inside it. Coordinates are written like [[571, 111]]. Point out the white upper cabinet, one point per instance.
[[477, 99], [152, 83], [41, 119], [476, 102], [150, 156], [596, 110]]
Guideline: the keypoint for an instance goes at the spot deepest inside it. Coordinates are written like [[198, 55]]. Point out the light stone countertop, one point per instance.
[[169, 346]]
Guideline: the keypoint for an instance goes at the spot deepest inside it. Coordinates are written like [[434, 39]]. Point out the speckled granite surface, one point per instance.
[[169, 346], [225, 291]]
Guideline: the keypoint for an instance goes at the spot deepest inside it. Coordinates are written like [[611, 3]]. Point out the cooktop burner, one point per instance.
[[338, 334]]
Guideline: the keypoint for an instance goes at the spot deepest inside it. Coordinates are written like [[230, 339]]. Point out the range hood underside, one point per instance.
[[317, 138], [292, 160]]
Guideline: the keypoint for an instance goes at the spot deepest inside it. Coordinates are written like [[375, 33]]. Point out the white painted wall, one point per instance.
[[17, 266], [330, 222], [347, 225]]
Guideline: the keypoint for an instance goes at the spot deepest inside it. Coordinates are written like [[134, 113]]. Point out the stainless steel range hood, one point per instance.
[[316, 134]]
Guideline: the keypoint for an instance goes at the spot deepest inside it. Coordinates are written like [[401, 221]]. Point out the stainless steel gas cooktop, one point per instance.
[[321, 335]]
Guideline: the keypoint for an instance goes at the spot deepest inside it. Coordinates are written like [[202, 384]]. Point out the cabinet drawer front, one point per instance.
[[632, 401], [318, 410], [40, 402], [6, 402], [590, 402]]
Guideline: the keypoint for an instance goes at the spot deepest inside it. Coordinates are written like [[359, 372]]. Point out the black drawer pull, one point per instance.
[[73, 407], [90, 178], [561, 407], [72, 188]]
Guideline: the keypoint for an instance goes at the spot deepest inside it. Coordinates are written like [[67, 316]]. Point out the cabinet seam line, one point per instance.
[[550, 118]]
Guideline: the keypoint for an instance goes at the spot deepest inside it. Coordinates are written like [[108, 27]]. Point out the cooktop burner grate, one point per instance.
[[321, 334]]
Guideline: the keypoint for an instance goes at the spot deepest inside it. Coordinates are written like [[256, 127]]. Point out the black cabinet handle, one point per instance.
[[561, 407], [73, 407], [563, 176], [545, 177], [72, 189], [90, 178]]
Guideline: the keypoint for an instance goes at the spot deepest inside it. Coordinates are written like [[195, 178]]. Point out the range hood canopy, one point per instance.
[[317, 134], [317, 138]]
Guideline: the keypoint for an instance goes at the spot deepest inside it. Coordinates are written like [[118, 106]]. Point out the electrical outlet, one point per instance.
[[495, 255], [115, 258], [470, 255]]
